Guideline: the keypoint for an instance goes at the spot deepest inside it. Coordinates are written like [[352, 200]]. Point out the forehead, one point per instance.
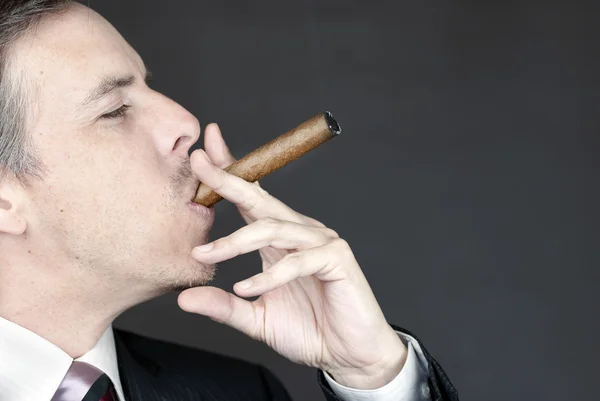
[[69, 53]]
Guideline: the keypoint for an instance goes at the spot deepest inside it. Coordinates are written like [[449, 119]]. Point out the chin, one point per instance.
[[196, 276]]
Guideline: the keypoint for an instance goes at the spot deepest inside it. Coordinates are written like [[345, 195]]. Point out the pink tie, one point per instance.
[[84, 382]]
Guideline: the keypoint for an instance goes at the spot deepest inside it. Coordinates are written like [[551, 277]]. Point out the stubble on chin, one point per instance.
[[200, 276], [196, 274]]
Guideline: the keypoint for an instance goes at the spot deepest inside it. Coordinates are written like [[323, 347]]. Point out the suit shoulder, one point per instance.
[[199, 371], [166, 353]]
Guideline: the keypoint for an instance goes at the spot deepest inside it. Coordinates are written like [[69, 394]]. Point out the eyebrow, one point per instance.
[[109, 85]]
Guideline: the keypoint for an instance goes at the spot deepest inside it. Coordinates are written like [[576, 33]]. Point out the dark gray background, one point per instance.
[[465, 178]]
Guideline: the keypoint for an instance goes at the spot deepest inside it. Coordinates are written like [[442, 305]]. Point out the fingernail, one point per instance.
[[204, 248], [245, 284]]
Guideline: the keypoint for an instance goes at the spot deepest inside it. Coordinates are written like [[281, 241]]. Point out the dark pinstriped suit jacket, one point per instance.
[[153, 370]]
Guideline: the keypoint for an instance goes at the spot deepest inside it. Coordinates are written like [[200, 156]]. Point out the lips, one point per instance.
[[207, 213], [193, 190]]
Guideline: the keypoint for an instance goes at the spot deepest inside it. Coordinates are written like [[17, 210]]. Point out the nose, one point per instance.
[[174, 129]]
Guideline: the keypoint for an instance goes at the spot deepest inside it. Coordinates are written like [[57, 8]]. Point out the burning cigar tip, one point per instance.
[[333, 125]]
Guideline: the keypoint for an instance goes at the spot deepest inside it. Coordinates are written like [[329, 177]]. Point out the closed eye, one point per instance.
[[120, 112]]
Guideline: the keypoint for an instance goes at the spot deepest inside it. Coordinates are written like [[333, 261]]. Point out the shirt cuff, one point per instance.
[[409, 385]]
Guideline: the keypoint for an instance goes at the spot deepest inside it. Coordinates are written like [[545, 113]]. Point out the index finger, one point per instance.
[[253, 200]]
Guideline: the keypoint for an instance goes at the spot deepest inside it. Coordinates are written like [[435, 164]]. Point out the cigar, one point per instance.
[[276, 154]]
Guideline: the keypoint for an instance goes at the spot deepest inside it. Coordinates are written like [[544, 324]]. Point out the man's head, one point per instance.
[[96, 178]]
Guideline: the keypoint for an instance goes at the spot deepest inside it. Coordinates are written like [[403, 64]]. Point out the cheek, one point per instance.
[[98, 184], [109, 201], [106, 209], [111, 174]]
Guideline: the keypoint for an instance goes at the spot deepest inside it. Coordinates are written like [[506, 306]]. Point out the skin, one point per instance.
[[110, 226]]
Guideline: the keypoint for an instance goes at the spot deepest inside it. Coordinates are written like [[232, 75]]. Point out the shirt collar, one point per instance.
[[31, 367]]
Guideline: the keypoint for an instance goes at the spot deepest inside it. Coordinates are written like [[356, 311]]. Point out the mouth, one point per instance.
[[207, 213], [193, 190]]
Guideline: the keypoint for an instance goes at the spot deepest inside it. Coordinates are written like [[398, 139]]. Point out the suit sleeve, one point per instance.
[[440, 387], [275, 389]]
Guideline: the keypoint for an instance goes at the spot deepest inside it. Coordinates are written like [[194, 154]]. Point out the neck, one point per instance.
[[72, 311]]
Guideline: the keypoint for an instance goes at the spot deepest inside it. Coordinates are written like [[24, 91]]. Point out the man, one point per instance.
[[95, 217]]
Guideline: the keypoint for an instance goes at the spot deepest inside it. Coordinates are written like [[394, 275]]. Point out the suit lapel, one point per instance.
[[137, 374]]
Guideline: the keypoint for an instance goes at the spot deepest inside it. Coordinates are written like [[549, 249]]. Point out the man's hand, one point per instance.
[[315, 307]]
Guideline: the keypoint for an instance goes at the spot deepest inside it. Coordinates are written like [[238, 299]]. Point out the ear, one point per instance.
[[12, 219]]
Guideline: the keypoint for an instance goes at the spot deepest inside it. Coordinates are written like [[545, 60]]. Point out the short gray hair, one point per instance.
[[17, 154]]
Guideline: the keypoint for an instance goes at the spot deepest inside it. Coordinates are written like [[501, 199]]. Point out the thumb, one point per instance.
[[223, 307], [215, 146]]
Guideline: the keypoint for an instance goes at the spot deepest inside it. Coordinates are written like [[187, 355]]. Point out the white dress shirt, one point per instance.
[[32, 368]]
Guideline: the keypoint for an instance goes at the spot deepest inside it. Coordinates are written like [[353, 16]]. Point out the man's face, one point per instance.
[[114, 203]]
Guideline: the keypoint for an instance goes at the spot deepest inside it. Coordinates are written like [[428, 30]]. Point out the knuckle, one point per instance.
[[269, 223], [314, 222], [340, 254], [341, 244], [330, 233], [221, 242], [222, 182], [267, 276], [271, 226], [294, 260], [260, 192], [259, 197]]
